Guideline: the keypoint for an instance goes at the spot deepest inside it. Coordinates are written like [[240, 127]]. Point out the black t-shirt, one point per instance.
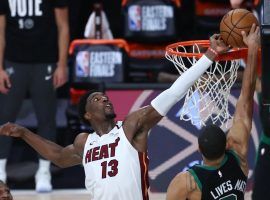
[[31, 32], [226, 182]]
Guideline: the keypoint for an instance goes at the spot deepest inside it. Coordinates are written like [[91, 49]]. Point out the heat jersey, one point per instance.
[[227, 182], [114, 169]]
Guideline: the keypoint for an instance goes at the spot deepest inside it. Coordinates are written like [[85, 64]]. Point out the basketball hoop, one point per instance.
[[207, 99]]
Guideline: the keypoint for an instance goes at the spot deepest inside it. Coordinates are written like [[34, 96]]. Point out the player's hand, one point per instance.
[[218, 44], [12, 130], [5, 83], [253, 38], [236, 3], [60, 76]]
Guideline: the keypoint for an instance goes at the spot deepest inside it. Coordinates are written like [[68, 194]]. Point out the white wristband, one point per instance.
[[165, 100]]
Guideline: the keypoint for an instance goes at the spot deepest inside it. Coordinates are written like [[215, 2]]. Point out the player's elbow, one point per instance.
[[242, 150], [244, 113], [62, 166], [67, 161], [60, 163], [57, 159]]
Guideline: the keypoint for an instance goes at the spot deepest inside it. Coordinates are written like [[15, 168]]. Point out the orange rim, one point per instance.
[[233, 54], [118, 42]]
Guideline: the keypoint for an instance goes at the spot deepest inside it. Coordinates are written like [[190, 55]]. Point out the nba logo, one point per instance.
[[82, 64], [134, 18]]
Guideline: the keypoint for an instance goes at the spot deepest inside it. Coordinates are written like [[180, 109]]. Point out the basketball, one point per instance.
[[233, 23]]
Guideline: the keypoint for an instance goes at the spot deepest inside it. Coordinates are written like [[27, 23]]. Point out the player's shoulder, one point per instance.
[[80, 139], [181, 178], [184, 186]]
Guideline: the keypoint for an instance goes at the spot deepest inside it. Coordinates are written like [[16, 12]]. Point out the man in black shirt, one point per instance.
[[34, 37], [224, 172]]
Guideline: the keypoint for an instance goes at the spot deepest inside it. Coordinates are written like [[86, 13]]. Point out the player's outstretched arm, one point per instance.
[[181, 187], [61, 156], [138, 123], [238, 136]]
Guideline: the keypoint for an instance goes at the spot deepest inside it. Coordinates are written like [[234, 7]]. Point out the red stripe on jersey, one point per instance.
[[144, 161]]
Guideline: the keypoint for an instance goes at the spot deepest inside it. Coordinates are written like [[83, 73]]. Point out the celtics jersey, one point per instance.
[[227, 182]]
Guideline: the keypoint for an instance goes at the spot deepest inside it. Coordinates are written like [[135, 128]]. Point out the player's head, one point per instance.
[[212, 142], [95, 105], [5, 192]]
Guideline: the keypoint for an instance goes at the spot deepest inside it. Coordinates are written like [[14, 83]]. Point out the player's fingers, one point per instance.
[[213, 37], [61, 82], [216, 36], [244, 34], [253, 28], [4, 128], [8, 83], [55, 81], [8, 125], [4, 131], [221, 43], [3, 89], [2, 83], [257, 31], [220, 38]]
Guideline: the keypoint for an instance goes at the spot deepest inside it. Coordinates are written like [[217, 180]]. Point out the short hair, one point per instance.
[[212, 142], [82, 106]]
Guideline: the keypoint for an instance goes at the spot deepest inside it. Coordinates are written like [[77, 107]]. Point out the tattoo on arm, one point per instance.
[[191, 185]]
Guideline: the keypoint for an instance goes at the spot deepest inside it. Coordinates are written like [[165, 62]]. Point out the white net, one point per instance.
[[207, 99]]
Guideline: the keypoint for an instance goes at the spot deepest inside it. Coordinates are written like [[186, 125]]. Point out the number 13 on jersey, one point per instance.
[[109, 168]]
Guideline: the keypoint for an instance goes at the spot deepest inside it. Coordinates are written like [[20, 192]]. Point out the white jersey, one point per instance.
[[114, 169]]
